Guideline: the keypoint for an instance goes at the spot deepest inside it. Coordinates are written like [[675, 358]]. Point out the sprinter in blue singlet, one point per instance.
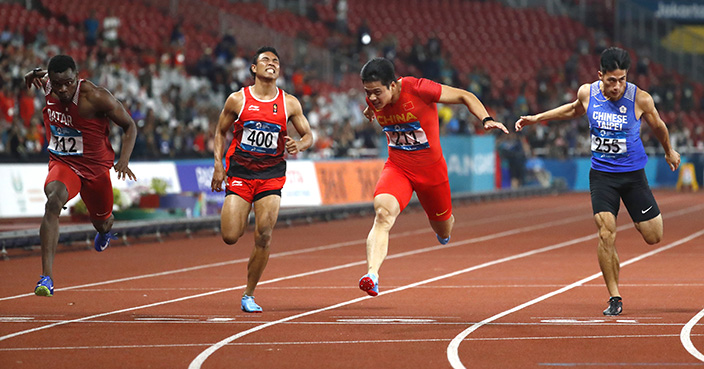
[[614, 109]]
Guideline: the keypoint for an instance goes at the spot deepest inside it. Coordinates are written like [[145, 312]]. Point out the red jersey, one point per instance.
[[257, 150], [83, 144], [411, 124]]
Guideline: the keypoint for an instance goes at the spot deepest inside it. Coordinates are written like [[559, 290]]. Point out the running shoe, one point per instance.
[[249, 306], [443, 241], [45, 286], [369, 283], [615, 306], [102, 240]]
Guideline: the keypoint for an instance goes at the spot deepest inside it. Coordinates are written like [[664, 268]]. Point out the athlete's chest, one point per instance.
[[408, 109]]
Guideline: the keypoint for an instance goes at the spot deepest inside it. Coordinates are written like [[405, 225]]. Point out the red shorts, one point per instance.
[[254, 189], [430, 183], [96, 193]]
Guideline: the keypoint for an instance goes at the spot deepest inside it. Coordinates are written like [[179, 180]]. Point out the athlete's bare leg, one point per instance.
[[443, 228], [651, 230], [387, 210], [606, 250], [103, 225], [266, 211], [56, 198], [233, 218]]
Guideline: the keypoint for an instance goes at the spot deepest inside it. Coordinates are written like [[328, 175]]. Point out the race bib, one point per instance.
[[260, 137], [65, 141], [609, 143], [406, 136]]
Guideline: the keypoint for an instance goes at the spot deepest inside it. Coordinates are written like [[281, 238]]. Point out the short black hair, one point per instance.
[[614, 58], [61, 63], [378, 69], [262, 50]]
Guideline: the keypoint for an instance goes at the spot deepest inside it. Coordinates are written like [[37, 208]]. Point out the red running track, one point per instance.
[[517, 287]]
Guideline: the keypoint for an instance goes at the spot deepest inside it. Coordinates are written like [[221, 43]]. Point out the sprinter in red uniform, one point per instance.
[[77, 119], [255, 169], [407, 111]]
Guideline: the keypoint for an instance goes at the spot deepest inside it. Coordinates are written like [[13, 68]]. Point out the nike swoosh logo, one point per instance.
[[51, 103], [103, 214], [646, 210], [596, 106], [439, 214]]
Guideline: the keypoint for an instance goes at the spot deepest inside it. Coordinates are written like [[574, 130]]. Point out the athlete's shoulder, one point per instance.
[[99, 97], [587, 90], [423, 87], [292, 104]]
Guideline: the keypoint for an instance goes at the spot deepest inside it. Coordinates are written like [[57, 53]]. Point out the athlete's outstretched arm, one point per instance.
[[571, 110], [105, 103], [300, 122], [652, 117], [35, 77], [228, 115], [452, 95]]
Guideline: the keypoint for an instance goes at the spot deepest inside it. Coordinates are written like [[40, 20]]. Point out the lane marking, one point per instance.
[[304, 274], [345, 342], [198, 361], [453, 347], [686, 333], [297, 252]]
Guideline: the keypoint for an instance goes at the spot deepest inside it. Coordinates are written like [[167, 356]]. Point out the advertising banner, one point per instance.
[[349, 181]]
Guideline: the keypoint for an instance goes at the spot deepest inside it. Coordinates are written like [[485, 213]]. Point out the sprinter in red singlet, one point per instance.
[[77, 119], [255, 169], [407, 111]]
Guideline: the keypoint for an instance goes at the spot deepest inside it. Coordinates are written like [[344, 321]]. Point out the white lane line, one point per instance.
[[324, 270], [686, 333], [346, 342], [453, 347], [294, 252], [200, 359]]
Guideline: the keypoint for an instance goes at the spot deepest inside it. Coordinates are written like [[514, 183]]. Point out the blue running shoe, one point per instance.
[[102, 240], [249, 306], [369, 283], [443, 241], [45, 286]]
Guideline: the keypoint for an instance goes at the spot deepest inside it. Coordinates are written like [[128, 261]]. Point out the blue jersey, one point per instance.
[[615, 131]]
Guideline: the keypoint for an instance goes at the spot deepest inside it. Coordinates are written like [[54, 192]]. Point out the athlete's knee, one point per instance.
[[262, 237], [384, 216], [231, 237], [607, 235], [651, 238], [54, 204]]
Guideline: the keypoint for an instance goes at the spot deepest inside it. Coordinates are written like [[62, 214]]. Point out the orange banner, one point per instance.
[[347, 182]]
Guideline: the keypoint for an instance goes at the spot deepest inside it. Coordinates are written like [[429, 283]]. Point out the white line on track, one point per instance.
[[200, 359], [453, 244], [686, 333], [296, 252], [324, 270], [306, 250], [303, 343], [453, 347]]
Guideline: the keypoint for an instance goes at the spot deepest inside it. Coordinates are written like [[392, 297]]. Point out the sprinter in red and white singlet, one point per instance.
[[255, 170]]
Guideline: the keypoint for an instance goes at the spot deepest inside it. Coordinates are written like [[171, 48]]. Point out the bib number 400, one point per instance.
[[260, 139]]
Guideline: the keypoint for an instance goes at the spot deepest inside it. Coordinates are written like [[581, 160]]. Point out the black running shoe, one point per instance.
[[615, 306]]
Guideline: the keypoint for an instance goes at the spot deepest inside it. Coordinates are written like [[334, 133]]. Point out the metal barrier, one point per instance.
[[127, 229]]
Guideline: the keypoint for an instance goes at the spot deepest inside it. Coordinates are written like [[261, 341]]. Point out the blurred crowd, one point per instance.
[[176, 104]]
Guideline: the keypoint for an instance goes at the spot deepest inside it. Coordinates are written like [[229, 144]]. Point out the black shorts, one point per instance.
[[607, 189]]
